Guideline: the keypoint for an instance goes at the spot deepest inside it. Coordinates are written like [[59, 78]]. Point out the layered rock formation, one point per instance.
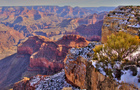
[[123, 18], [48, 55], [37, 55], [90, 19], [30, 20]]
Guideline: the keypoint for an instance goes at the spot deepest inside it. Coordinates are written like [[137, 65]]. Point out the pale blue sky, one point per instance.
[[73, 3]]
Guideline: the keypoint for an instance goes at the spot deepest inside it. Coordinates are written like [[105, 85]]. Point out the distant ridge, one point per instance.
[[100, 9]]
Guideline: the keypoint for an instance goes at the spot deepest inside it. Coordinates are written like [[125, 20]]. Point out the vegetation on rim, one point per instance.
[[118, 47]]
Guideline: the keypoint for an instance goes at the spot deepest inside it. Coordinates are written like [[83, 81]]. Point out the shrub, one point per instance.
[[118, 47], [122, 44]]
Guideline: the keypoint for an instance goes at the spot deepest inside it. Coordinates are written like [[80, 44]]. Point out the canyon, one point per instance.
[[57, 43], [37, 55], [23, 32], [79, 68], [50, 21], [79, 73]]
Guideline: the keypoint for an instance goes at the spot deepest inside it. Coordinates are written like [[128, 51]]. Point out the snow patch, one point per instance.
[[102, 71], [135, 26], [94, 63], [128, 78], [54, 82]]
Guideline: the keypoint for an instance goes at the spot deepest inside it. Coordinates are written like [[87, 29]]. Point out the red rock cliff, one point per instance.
[[48, 55]]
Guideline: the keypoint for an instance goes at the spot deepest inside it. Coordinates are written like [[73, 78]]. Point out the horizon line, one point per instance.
[[53, 5]]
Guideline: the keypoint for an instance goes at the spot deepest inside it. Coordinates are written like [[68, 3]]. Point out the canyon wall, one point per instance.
[[49, 55]]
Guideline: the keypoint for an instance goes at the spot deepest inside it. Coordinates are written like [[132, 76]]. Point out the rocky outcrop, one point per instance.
[[49, 55], [80, 72], [123, 18], [73, 41], [42, 82], [23, 84]]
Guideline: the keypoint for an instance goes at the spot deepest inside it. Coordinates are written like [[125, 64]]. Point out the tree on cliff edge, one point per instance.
[[117, 48]]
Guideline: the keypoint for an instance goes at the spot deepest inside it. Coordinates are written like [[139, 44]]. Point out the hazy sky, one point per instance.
[[80, 3]]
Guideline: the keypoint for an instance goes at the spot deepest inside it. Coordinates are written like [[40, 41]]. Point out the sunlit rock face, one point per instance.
[[48, 55]]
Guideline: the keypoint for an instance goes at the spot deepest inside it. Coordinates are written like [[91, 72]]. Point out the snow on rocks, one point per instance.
[[84, 52], [94, 63], [123, 18], [34, 80], [127, 77], [117, 65], [135, 26], [54, 82], [128, 73], [102, 71]]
